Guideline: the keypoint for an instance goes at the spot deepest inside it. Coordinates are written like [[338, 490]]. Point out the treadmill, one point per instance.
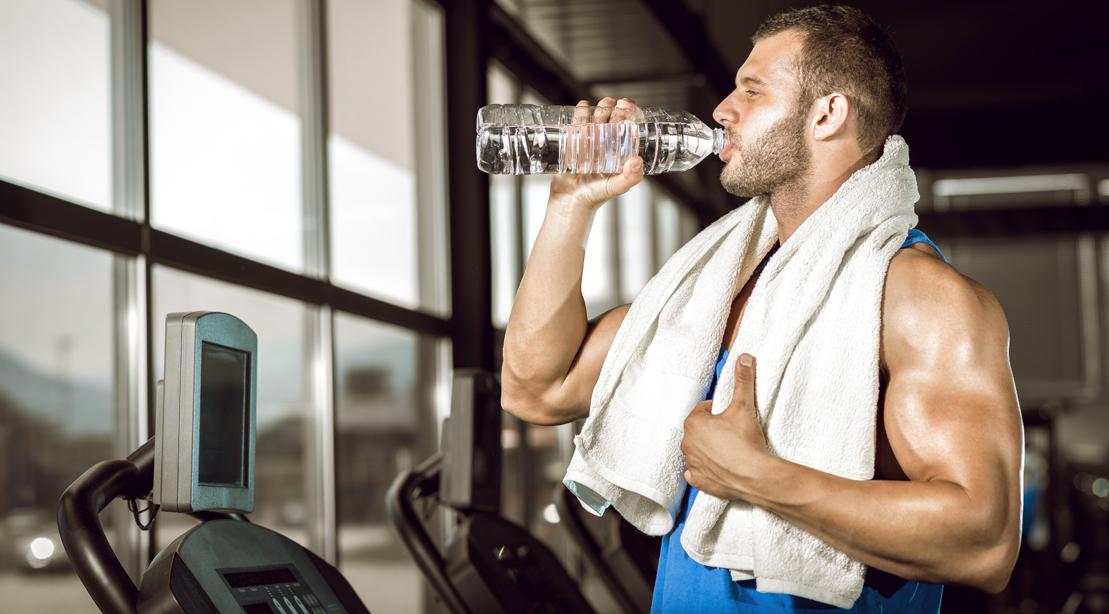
[[624, 558], [488, 565], [200, 462]]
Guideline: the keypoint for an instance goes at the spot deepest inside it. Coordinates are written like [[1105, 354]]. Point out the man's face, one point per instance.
[[765, 124]]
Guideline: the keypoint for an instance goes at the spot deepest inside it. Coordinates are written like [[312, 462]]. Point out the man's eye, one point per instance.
[[751, 92]]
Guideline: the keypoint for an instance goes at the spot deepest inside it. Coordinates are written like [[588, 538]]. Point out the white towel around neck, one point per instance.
[[812, 322]]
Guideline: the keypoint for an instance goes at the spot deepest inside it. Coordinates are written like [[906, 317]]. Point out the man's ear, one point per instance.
[[831, 116]]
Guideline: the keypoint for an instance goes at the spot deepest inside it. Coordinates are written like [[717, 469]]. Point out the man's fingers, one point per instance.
[[582, 112], [699, 411], [626, 110], [603, 111]]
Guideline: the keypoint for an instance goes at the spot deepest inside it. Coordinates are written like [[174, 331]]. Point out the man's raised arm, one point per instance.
[[552, 354]]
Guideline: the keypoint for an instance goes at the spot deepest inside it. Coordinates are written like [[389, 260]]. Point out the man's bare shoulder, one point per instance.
[[928, 302]]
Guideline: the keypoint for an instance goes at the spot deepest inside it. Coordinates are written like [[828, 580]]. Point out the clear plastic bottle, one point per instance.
[[528, 139]]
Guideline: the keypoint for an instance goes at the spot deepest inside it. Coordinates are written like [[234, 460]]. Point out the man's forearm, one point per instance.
[[931, 531], [548, 320]]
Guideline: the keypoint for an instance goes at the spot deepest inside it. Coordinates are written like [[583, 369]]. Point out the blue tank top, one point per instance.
[[686, 586]]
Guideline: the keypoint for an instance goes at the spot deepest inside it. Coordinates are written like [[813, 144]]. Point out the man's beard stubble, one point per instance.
[[776, 158]]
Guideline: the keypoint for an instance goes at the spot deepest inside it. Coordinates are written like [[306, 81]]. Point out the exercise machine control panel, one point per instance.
[[241, 567], [271, 590]]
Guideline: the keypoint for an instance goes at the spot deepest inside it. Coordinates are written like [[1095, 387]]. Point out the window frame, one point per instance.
[[137, 247]]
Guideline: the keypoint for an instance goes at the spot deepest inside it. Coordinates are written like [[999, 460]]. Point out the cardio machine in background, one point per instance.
[[489, 564], [624, 558], [200, 462]]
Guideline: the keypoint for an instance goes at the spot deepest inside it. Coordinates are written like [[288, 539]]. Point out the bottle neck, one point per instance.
[[719, 140]]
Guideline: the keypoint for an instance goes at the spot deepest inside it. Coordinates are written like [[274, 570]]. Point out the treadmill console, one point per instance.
[[201, 461], [472, 462], [204, 421], [238, 567]]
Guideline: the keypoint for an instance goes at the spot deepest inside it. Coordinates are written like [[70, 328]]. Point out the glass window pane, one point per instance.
[[56, 416], [283, 405], [54, 103], [637, 257], [668, 226], [381, 182], [381, 430], [690, 224], [501, 84], [598, 285], [675, 225], [503, 213], [225, 125], [537, 188], [505, 251]]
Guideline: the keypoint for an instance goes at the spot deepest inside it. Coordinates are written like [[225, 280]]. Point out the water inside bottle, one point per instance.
[[511, 141]]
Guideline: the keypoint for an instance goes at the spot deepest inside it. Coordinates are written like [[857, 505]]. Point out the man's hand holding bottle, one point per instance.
[[589, 192]]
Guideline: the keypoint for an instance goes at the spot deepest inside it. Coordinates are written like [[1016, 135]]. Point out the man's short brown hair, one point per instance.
[[844, 50]]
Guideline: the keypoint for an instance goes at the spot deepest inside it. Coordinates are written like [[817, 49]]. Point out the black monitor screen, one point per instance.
[[487, 449], [224, 406]]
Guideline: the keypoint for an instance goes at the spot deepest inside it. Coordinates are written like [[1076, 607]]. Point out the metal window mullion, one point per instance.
[[429, 97], [314, 133], [129, 314], [319, 477], [127, 109], [130, 295]]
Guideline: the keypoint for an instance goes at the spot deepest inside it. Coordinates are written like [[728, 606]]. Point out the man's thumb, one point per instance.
[[745, 376], [633, 174]]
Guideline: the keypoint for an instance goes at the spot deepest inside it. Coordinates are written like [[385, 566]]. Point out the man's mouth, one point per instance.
[[729, 147]]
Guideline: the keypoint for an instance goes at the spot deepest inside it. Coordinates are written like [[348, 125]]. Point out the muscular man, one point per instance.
[[814, 102]]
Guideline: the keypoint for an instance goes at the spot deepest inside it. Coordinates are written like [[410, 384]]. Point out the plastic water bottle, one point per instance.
[[528, 139]]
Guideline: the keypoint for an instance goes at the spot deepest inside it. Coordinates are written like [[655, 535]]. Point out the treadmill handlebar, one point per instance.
[[88, 549], [83, 538], [423, 481]]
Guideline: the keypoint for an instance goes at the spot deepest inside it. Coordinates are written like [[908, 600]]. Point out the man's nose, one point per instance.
[[724, 114]]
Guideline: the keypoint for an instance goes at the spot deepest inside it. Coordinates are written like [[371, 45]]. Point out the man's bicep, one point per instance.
[[951, 412], [577, 389]]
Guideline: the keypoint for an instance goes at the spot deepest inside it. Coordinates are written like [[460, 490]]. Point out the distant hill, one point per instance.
[[77, 408]]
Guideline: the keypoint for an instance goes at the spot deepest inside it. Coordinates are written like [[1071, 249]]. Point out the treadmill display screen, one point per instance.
[[224, 407], [245, 579]]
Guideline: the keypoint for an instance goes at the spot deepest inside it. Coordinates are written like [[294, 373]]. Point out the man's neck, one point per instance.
[[793, 203]]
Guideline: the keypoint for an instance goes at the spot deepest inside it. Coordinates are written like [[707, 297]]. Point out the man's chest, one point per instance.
[[885, 462]]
